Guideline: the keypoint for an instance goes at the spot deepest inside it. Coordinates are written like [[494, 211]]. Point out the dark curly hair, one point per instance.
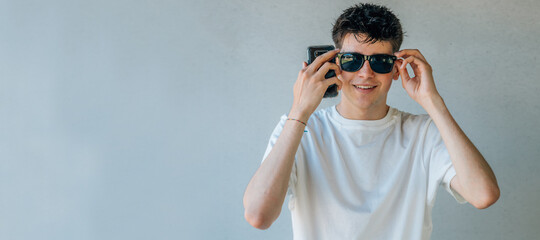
[[376, 23]]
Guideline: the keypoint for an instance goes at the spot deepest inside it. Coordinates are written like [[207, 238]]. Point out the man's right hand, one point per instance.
[[311, 85]]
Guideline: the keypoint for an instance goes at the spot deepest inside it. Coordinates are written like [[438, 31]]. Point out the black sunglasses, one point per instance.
[[379, 63]]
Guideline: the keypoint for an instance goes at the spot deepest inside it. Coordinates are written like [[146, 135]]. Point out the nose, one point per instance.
[[365, 71]]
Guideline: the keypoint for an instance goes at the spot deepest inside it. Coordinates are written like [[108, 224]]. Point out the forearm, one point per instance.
[[476, 179], [265, 193]]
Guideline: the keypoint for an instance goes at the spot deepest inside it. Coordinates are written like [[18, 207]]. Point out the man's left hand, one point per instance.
[[421, 87]]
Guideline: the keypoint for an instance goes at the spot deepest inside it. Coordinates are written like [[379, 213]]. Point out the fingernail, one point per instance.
[[339, 77]]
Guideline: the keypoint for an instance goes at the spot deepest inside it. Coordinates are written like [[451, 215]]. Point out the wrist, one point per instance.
[[299, 115], [434, 104]]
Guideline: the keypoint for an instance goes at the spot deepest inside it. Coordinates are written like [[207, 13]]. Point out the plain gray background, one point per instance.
[[147, 119]]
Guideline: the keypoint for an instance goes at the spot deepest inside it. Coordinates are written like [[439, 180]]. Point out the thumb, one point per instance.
[[339, 81]]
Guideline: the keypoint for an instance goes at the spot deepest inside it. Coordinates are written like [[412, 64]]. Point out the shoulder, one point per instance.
[[322, 113], [418, 123], [413, 119], [421, 124], [320, 117]]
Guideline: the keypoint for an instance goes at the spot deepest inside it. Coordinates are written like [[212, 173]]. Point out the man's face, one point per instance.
[[372, 98]]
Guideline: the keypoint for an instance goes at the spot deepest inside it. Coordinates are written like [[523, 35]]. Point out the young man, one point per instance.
[[362, 169]]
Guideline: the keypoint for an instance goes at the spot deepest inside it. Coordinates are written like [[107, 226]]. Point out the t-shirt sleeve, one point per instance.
[[440, 167], [271, 143]]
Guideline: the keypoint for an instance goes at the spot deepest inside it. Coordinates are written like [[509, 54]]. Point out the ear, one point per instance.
[[396, 73], [396, 70]]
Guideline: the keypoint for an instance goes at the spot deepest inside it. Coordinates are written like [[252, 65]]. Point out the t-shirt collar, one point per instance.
[[370, 124]]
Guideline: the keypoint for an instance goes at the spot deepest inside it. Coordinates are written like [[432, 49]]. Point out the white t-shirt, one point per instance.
[[366, 179]]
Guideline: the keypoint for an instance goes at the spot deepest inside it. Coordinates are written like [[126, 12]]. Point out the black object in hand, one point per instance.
[[315, 51]]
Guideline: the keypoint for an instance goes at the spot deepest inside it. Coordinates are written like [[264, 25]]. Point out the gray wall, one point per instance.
[[146, 119]]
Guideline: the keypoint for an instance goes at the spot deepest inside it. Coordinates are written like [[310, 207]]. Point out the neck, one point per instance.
[[356, 113]]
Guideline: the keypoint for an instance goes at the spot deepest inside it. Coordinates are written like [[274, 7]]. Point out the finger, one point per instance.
[[304, 64], [334, 80], [340, 82], [404, 53], [320, 60], [417, 64], [338, 79], [403, 73], [327, 66]]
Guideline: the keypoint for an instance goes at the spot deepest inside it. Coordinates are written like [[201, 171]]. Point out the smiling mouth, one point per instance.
[[364, 87]]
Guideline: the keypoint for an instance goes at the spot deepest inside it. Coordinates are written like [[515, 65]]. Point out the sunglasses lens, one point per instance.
[[350, 63], [381, 63]]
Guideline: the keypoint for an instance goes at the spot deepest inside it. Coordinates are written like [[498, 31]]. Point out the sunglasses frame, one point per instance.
[[365, 58]]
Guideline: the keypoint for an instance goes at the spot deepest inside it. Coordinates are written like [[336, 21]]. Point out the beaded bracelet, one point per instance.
[[297, 121]]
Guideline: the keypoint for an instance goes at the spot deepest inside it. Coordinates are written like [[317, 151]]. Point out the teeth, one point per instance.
[[364, 87]]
